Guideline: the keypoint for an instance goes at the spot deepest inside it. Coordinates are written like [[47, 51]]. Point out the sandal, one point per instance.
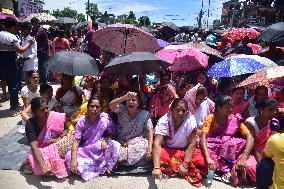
[[27, 169], [226, 178]]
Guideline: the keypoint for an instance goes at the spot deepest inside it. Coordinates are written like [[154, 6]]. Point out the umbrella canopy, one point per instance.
[[171, 25], [81, 24], [124, 39], [6, 15], [234, 66], [240, 33], [136, 63], [43, 17], [66, 20], [214, 55], [184, 59], [273, 33], [163, 43], [262, 60], [73, 63], [265, 77]]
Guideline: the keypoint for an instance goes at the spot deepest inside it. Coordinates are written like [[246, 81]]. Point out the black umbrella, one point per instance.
[[273, 33], [136, 63], [73, 63], [171, 25]]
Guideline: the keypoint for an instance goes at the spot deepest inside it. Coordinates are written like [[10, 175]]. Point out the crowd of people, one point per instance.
[[177, 124]]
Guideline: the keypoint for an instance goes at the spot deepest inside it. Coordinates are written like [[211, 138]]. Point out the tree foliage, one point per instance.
[[144, 21], [93, 11], [66, 12], [216, 24], [127, 19], [81, 17]]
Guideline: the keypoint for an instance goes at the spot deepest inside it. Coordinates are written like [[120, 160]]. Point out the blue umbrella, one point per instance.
[[234, 66], [163, 43]]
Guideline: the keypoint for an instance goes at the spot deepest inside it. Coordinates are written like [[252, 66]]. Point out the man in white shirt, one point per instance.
[[30, 55], [9, 45]]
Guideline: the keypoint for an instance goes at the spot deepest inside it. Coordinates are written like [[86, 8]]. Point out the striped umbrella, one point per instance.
[[124, 39]]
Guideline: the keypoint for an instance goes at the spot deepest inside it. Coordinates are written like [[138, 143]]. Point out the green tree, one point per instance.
[[144, 21], [216, 24], [131, 15], [81, 17], [66, 12], [93, 11], [121, 18]]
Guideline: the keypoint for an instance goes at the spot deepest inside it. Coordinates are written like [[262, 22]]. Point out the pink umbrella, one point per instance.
[[6, 15], [124, 39], [184, 59]]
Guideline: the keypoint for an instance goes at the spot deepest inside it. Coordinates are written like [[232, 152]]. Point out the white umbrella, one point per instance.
[[42, 17]]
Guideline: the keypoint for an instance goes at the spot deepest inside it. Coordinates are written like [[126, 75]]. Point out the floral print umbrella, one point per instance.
[[266, 77], [43, 17], [124, 39], [239, 33]]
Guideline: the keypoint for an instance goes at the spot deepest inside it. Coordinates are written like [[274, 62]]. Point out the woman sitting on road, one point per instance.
[[93, 153], [44, 130], [134, 130], [159, 104], [174, 150], [68, 96], [224, 150], [261, 127]]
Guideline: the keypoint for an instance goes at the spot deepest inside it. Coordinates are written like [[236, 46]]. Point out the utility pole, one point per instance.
[[208, 15], [88, 8]]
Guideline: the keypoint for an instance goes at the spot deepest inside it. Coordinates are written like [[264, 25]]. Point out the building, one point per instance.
[[237, 13]]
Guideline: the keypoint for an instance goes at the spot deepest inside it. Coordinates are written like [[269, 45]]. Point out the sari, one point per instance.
[[174, 147], [240, 107], [157, 109], [224, 145], [261, 137], [50, 153], [203, 110], [92, 160]]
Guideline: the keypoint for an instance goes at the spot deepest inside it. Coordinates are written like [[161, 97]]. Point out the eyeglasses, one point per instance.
[[35, 77]]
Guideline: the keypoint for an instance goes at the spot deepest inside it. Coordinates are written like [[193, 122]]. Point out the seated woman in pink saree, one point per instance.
[[43, 131], [222, 147], [93, 152], [159, 104], [261, 127]]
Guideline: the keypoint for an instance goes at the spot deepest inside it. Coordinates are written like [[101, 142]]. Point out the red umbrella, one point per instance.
[[239, 33]]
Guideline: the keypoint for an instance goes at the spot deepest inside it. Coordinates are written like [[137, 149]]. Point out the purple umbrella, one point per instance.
[[6, 15], [163, 43]]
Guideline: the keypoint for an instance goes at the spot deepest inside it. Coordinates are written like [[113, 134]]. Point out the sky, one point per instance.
[[181, 12]]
